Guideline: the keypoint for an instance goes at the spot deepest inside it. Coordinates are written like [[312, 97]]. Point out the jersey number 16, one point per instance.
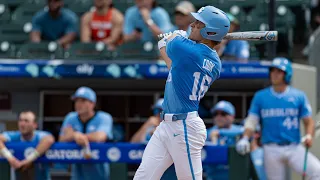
[[196, 93]]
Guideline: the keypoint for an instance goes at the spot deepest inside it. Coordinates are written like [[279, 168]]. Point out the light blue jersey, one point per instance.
[[100, 122], [41, 170], [194, 68], [226, 137], [280, 114]]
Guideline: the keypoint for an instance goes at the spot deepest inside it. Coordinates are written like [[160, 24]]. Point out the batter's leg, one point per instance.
[[186, 147], [155, 160], [296, 160], [274, 162]]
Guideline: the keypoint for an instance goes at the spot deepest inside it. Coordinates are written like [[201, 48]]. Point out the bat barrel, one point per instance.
[[253, 36]]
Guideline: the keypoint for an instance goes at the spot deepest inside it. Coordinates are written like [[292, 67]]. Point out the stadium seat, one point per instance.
[[81, 9], [237, 11], [291, 3], [43, 50], [24, 13], [87, 51], [4, 12], [241, 3], [7, 50], [122, 6], [137, 51], [14, 33], [15, 3]]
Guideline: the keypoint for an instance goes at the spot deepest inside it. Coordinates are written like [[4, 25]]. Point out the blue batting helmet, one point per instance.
[[216, 22], [285, 65], [85, 93], [157, 107], [224, 106]]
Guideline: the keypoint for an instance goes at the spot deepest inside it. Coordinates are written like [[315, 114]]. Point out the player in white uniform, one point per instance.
[[279, 109], [194, 65]]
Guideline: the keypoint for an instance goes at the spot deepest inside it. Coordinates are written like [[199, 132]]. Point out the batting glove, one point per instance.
[[181, 33], [243, 146]]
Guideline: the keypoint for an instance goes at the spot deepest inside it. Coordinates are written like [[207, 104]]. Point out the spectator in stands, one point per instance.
[[237, 50], [84, 126], [104, 24], [143, 135], [145, 21], [55, 24], [27, 133], [223, 133], [183, 19]]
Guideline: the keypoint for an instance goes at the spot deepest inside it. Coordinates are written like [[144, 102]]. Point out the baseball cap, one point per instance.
[[185, 7], [224, 106], [85, 93]]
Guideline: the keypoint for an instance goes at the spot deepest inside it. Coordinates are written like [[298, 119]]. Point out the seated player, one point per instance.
[[182, 16], [27, 133], [223, 133]]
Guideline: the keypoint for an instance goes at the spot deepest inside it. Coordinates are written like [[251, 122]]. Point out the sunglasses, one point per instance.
[[220, 113]]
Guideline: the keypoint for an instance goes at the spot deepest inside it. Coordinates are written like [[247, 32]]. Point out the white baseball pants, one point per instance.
[[276, 157], [175, 141]]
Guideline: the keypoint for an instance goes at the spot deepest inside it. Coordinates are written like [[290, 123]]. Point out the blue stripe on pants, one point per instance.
[[188, 150]]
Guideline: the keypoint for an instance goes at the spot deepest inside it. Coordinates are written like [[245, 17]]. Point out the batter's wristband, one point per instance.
[[162, 43]]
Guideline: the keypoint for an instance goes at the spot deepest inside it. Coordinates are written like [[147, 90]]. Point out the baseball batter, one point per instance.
[[279, 109], [194, 65]]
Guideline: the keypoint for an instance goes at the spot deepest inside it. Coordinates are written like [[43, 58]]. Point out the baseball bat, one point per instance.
[[246, 35], [305, 164]]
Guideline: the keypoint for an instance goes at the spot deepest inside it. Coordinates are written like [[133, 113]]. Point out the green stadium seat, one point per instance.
[[122, 6], [14, 33], [43, 50], [241, 3], [291, 3], [87, 51], [24, 13], [15, 3], [80, 9], [237, 11], [137, 51], [5, 13], [284, 17], [7, 50]]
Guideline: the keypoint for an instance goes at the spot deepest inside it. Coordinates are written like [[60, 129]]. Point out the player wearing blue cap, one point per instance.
[[223, 133], [279, 109], [193, 66], [84, 126]]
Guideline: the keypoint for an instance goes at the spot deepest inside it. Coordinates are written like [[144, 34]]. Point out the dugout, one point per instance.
[[129, 100]]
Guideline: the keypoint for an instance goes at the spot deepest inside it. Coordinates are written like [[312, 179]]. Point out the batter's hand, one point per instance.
[[307, 140], [181, 33], [243, 146]]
